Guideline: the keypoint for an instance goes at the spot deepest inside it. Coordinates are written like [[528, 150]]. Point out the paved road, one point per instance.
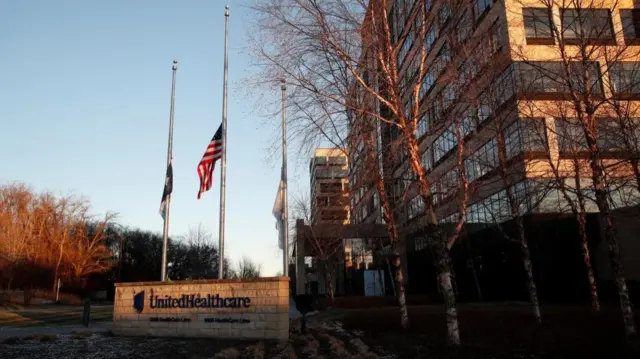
[[21, 332]]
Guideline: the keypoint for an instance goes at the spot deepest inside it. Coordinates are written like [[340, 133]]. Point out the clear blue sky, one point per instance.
[[84, 107]]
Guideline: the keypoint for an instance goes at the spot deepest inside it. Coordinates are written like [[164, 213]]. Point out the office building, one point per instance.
[[328, 172], [494, 79]]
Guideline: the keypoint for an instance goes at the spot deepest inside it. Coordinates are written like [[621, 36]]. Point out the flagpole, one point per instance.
[[285, 229], [223, 161], [165, 231]]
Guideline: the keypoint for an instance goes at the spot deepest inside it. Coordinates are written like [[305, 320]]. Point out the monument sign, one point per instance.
[[256, 308]]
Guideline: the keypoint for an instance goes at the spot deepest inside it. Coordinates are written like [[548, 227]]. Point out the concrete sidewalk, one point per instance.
[[98, 327]]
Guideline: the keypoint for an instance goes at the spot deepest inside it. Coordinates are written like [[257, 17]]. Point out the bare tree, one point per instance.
[[319, 80], [15, 227], [584, 57], [326, 50], [202, 257], [497, 164], [45, 236], [88, 252], [328, 252], [246, 268]]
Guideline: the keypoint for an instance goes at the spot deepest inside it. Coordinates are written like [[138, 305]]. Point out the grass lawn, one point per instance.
[[45, 315]]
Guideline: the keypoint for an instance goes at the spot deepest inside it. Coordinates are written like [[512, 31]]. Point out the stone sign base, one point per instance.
[[256, 308]]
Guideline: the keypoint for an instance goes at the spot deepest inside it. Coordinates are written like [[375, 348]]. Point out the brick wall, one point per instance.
[[193, 308]]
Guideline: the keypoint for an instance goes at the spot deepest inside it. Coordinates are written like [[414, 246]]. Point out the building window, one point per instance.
[[408, 108], [480, 7], [463, 27], [428, 81], [431, 37], [630, 23], [494, 209], [426, 160], [609, 135], [484, 108], [432, 115], [450, 219], [625, 77], [571, 138], [415, 207], [496, 37], [503, 87], [521, 195], [322, 202], [406, 46], [587, 24], [483, 161], [398, 21], [418, 19], [537, 24], [435, 193], [444, 14], [449, 95], [446, 142], [525, 135], [423, 126], [535, 77], [468, 123], [449, 183]]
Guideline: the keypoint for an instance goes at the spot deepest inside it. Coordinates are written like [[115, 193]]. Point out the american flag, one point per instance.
[[208, 161]]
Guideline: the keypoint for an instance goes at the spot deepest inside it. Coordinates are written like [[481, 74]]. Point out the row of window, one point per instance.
[[529, 135], [532, 77], [448, 96], [483, 161], [497, 208], [463, 30], [585, 23], [540, 196]]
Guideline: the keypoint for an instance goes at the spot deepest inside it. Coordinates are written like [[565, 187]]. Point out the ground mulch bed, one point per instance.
[[497, 331]]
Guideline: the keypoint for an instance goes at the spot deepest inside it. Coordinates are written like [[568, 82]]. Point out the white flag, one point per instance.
[[278, 213]]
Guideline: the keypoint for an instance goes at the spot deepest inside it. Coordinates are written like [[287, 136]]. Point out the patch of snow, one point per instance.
[[336, 327], [384, 354]]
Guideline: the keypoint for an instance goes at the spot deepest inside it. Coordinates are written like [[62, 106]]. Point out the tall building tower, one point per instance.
[[502, 78], [328, 171]]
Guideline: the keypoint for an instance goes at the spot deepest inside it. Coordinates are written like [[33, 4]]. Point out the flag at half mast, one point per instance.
[[168, 188], [208, 161], [278, 213]]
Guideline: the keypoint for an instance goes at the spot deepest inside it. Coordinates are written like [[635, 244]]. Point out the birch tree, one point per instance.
[[586, 37], [291, 45], [364, 45]]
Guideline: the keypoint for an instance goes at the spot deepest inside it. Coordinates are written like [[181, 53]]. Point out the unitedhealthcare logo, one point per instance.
[[138, 302], [186, 301]]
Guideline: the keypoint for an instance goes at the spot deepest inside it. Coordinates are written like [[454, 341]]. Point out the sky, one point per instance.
[[84, 108]]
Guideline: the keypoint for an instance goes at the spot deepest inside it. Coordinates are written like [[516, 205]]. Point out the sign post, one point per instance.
[[58, 291]]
